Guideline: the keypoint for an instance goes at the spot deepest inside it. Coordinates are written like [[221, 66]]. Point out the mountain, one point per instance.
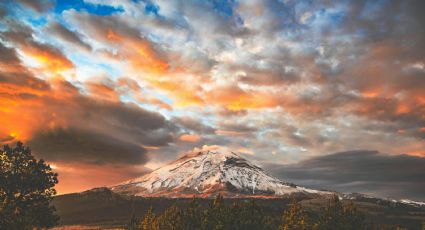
[[207, 173]]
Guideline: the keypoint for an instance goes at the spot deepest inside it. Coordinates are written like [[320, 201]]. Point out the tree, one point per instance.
[[171, 219], [216, 216], [193, 215], [340, 217], [252, 216], [149, 221], [26, 189], [294, 217]]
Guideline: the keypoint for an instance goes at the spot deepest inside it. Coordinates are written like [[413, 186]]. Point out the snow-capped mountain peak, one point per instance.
[[206, 173]]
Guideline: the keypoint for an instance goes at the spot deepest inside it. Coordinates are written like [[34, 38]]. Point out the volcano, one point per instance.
[[207, 173]]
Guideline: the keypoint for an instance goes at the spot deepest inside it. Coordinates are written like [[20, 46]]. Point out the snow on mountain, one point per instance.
[[411, 202], [206, 173]]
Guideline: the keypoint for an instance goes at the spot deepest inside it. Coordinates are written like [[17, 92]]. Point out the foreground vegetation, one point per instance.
[[244, 216], [26, 189]]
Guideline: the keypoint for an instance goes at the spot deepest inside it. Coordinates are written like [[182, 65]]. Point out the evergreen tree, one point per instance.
[[339, 217], [149, 221], [171, 219], [252, 216], [26, 189], [216, 216], [193, 216], [294, 217]]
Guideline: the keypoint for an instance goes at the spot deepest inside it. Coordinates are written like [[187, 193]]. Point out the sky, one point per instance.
[[328, 94]]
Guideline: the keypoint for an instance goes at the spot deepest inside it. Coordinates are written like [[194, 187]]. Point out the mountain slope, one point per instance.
[[103, 209], [206, 173]]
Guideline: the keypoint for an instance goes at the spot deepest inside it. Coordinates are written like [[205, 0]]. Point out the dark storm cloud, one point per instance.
[[124, 121], [86, 129], [370, 172], [64, 125], [387, 110], [81, 146], [64, 33]]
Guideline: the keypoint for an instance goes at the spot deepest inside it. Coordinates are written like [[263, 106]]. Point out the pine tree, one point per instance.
[[339, 217], [332, 216], [245, 216], [149, 221], [193, 215], [216, 216], [253, 217], [294, 217], [171, 219]]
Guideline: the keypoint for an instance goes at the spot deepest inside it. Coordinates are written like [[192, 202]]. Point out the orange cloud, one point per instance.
[[229, 133], [370, 94], [418, 153], [246, 151], [402, 108], [26, 108], [190, 137], [146, 62], [152, 101], [102, 91], [236, 99], [138, 52], [183, 93], [49, 59]]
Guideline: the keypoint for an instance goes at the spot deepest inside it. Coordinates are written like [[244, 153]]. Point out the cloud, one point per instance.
[[52, 114], [39, 6], [60, 31], [289, 80], [80, 146], [370, 172], [193, 124], [144, 58], [190, 137], [102, 90], [50, 60]]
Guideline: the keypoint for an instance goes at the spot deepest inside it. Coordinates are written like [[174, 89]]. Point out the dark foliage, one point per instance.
[[248, 215], [294, 218], [26, 189], [216, 216], [337, 216], [104, 208]]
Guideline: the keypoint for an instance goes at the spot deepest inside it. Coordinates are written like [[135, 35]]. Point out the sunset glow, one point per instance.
[[103, 90]]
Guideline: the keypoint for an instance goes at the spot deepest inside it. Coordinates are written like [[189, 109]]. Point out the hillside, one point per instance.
[[102, 207]]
